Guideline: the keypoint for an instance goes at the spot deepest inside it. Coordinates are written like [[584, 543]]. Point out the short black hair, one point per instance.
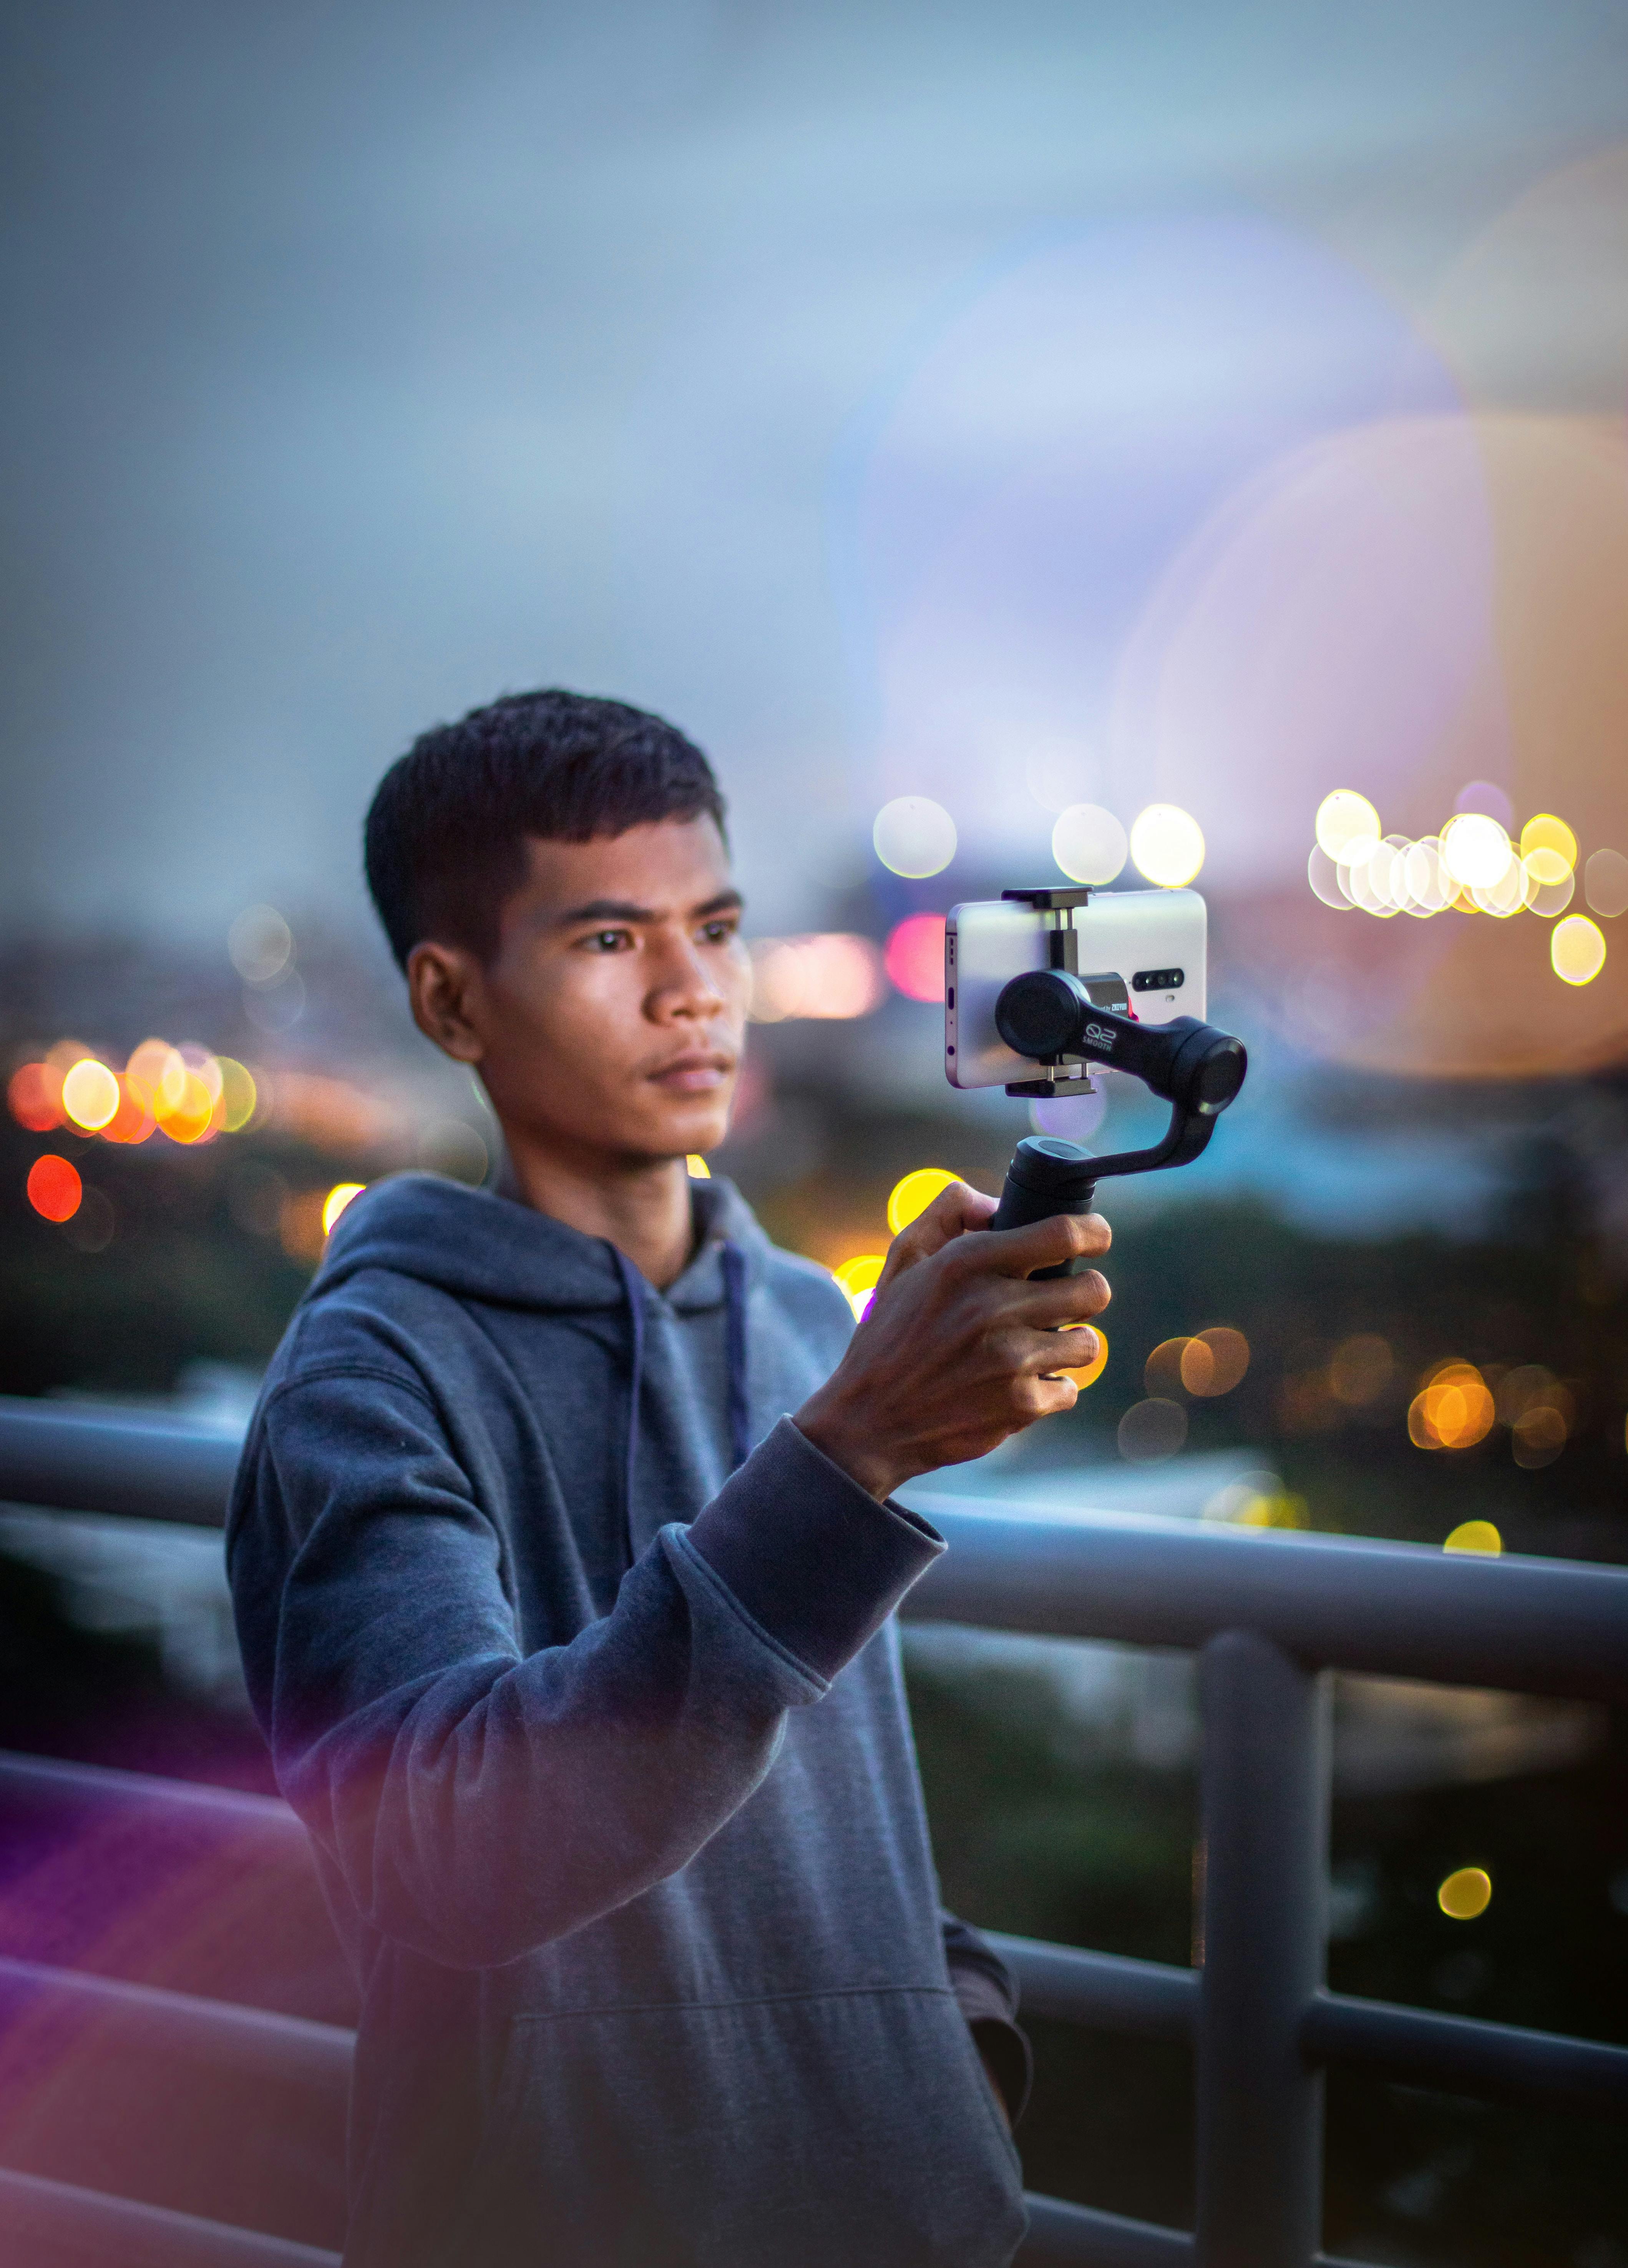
[[446, 831]]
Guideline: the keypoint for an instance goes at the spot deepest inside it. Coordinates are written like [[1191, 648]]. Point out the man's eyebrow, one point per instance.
[[622, 910]]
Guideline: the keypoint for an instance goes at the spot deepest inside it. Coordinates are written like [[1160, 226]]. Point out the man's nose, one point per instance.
[[684, 985]]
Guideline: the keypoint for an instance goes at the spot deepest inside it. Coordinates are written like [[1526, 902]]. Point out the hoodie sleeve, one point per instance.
[[985, 1991], [478, 1802]]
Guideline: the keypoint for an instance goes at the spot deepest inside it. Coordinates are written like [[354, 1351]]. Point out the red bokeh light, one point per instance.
[[33, 1096], [915, 956], [53, 1188]]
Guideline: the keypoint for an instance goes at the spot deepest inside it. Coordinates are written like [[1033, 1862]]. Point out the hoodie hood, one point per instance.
[[478, 1244]]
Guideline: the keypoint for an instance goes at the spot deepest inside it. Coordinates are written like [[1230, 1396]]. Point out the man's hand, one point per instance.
[[958, 1350]]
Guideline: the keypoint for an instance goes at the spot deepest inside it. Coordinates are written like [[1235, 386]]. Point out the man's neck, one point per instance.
[[643, 1209]]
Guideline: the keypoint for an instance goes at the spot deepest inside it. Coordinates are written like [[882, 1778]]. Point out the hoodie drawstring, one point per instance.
[[634, 1297], [734, 1261]]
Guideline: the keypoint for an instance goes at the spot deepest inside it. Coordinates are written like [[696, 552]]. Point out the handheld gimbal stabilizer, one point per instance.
[[1051, 1016]]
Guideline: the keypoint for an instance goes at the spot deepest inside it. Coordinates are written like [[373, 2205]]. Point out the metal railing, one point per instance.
[[1269, 1616]]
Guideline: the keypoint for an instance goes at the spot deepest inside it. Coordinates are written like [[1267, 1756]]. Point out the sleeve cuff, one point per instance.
[[1005, 2049], [812, 1559]]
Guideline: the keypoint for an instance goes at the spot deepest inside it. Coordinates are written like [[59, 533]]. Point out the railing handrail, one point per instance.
[[1266, 1611]]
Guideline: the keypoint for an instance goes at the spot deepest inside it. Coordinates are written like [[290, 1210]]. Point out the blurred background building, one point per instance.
[[980, 430]]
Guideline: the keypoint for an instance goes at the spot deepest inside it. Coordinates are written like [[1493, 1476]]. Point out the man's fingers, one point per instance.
[[1043, 1244], [952, 1213], [1058, 1301]]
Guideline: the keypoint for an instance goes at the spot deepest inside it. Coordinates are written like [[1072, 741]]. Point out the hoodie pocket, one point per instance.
[[835, 2130]]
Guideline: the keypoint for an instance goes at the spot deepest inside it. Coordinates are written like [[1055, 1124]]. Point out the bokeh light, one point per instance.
[[1167, 845], [260, 944], [89, 1095], [1360, 1368], [1152, 1430], [1088, 843], [1466, 1892], [1476, 850], [1161, 1372], [1347, 825], [1453, 1408], [829, 978], [1084, 1375], [1543, 832], [1605, 884], [33, 1096], [1576, 950], [696, 1167], [239, 1095], [1074, 1115], [915, 837], [53, 1188], [914, 957], [341, 1194], [915, 1193], [1214, 1361], [858, 1278], [1474, 1536], [1549, 883], [1323, 875]]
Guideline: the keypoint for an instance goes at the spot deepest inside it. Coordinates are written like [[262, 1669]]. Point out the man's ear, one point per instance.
[[446, 986]]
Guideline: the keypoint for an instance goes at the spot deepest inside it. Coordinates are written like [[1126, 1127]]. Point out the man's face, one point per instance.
[[611, 1019]]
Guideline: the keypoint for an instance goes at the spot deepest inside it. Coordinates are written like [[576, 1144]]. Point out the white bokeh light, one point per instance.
[[1167, 844], [1477, 850], [1088, 843], [915, 837]]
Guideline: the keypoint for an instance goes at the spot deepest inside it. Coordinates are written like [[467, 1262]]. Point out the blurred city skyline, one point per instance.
[[874, 392]]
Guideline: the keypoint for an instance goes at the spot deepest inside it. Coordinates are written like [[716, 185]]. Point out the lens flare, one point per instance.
[[53, 1188], [1347, 825], [1576, 950], [1088, 843], [1476, 850], [341, 1194], [1545, 832], [1466, 1892], [1167, 845], [915, 1193], [1605, 884], [915, 837], [90, 1095], [914, 957]]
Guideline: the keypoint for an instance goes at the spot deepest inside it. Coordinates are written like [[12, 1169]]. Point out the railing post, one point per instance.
[[1264, 1898]]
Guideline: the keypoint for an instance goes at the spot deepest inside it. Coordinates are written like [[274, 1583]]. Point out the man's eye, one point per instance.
[[609, 940], [718, 932]]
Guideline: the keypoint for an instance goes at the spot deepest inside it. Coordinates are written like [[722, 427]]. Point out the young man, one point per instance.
[[564, 1565]]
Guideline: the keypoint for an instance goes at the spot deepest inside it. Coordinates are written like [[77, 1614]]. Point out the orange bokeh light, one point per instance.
[[915, 957], [1454, 1410], [35, 1097], [53, 1188]]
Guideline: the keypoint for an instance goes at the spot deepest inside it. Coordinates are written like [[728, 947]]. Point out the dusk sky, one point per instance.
[[364, 361]]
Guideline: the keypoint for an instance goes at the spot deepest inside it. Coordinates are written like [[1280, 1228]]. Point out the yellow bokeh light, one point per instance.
[[158, 1073], [1084, 1375], [341, 1194], [1167, 845], [1467, 1892], [1476, 850], [858, 1278], [239, 1097], [1549, 883], [1576, 950], [1474, 1536], [915, 1193], [89, 1095], [1547, 834], [696, 1167], [1347, 825], [915, 837]]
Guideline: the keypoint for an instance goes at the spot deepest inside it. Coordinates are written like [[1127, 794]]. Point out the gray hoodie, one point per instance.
[[576, 1659]]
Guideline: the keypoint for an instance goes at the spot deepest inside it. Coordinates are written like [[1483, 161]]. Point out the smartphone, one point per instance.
[[1141, 952]]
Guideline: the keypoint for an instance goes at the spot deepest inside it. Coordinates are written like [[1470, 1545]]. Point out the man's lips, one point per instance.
[[694, 1074]]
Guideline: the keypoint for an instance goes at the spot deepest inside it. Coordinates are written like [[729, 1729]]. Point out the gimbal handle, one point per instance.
[[1047, 1015]]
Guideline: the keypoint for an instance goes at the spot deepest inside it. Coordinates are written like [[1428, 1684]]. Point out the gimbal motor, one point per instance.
[[1051, 1016]]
